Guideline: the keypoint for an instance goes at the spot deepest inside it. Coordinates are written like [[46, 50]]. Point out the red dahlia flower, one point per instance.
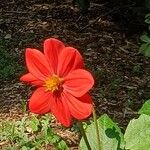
[[62, 83]]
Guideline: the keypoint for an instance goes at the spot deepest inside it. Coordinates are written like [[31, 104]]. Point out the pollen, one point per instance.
[[53, 83]]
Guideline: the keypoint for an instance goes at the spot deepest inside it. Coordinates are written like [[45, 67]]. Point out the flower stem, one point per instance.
[[84, 135], [97, 129]]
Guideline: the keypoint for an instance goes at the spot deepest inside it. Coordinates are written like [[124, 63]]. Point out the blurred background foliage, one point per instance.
[[145, 38], [9, 66]]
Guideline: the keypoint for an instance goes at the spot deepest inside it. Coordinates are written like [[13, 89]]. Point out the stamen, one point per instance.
[[54, 83]]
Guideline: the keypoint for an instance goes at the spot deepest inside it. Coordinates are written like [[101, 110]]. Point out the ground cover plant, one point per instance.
[[107, 40]]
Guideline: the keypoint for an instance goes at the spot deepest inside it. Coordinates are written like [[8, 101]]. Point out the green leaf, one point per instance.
[[62, 146], [145, 38], [110, 135], [34, 123], [55, 139], [137, 135], [145, 49], [147, 18], [24, 148], [33, 148], [145, 108]]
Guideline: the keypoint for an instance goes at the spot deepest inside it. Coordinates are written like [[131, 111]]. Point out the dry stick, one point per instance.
[[98, 19], [99, 5], [113, 10]]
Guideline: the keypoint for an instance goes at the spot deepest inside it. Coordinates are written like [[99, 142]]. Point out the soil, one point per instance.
[[109, 43]]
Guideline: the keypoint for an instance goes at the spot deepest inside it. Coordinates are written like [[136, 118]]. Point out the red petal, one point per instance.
[[60, 110], [31, 79], [37, 64], [78, 82], [39, 102], [80, 108], [69, 59], [52, 48]]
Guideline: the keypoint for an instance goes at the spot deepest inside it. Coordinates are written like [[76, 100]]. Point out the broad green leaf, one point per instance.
[[137, 135], [145, 108], [110, 134], [145, 49], [145, 38]]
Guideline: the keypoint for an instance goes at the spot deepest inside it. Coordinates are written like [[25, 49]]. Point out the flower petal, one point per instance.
[[60, 110], [80, 108], [78, 82], [69, 59], [37, 63], [52, 48], [31, 79], [39, 102]]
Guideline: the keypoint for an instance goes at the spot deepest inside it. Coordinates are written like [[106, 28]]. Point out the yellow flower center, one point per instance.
[[53, 84]]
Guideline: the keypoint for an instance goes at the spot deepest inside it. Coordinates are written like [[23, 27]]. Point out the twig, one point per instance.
[[125, 51], [98, 19], [98, 5], [107, 13]]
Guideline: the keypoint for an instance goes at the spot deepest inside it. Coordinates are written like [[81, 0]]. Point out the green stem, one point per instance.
[[84, 135], [97, 129]]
